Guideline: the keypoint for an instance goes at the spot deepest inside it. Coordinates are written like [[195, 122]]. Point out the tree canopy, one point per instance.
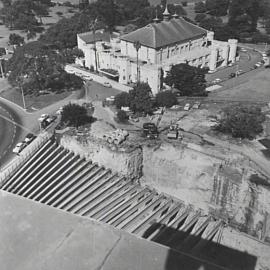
[[241, 121], [75, 115], [15, 39], [166, 99], [188, 80], [140, 98], [21, 14], [42, 68]]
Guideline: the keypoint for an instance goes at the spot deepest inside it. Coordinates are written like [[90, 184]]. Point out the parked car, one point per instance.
[[239, 72], [196, 105], [134, 118], [29, 138], [18, 148], [217, 80], [159, 111], [232, 75], [175, 107], [187, 107], [43, 117], [50, 119], [107, 84], [87, 77], [59, 111]]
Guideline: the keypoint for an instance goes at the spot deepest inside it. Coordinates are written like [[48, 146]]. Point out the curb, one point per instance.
[[15, 104]]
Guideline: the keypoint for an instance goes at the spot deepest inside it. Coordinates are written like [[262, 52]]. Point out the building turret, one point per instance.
[[175, 15], [156, 19], [166, 14]]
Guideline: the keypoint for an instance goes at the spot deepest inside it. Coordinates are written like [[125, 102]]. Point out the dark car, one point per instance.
[[29, 138], [232, 75]]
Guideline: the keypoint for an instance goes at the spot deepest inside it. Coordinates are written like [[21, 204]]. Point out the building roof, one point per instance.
[[164, 33], [38, 237], [89, 37]]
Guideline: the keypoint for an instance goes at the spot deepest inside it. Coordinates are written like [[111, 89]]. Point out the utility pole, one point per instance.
[[22, 92], [1, 67], [95, 47], [137, 46]]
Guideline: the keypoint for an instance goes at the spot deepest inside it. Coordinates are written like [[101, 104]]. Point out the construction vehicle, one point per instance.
[[150, 130], [173, 132]]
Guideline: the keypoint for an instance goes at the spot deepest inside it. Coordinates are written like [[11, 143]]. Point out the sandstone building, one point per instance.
[[144, 53]]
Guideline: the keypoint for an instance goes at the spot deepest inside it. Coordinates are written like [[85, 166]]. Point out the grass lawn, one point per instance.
[[38, 102], [47, 22], [255, 88]]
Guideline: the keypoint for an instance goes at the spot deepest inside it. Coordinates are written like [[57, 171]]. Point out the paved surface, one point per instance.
[[247, 61], [9, 131], [34, 236], [23, 123]]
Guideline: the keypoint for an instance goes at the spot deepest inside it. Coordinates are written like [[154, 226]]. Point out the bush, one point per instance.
[[122, 100], [75, 115], [241, 121], [200, 7], [200, 17], [122, 116], [184, 3], [166, 99]]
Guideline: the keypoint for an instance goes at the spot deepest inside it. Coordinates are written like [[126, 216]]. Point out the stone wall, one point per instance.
[[195, 175], [127, 162]]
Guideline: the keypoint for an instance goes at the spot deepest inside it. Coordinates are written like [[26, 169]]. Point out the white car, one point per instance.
[[243, 50], [196, 105], [18, 148], [107, 84], [88, 78], [59, 111], [187, 107], [43, 117], [217, 80]]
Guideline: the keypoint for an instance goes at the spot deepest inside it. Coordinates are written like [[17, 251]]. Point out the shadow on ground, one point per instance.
[[188, 252]]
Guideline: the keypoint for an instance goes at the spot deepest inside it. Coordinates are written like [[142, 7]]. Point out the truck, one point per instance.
[[173, 132], [150, 130]]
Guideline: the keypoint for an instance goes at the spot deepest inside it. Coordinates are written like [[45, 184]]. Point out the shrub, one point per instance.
[[122, 116], [166, 99]]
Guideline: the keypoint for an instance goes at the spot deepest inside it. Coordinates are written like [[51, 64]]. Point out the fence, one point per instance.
[[25, 155]]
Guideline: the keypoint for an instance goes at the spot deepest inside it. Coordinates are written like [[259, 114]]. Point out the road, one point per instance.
[[10, 131]]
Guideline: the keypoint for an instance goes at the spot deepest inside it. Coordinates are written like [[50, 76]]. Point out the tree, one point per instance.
[[188, 80], [211, 23], [200, 17], [140, 98], [122, 100], [200, 7], [217, 7], [241, 121], [166, 99], [43, 67], [122, 116], [75, 115], [244, 14], [15, 39]]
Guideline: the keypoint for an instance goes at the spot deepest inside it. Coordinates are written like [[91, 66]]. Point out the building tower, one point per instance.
[[166, 14]]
